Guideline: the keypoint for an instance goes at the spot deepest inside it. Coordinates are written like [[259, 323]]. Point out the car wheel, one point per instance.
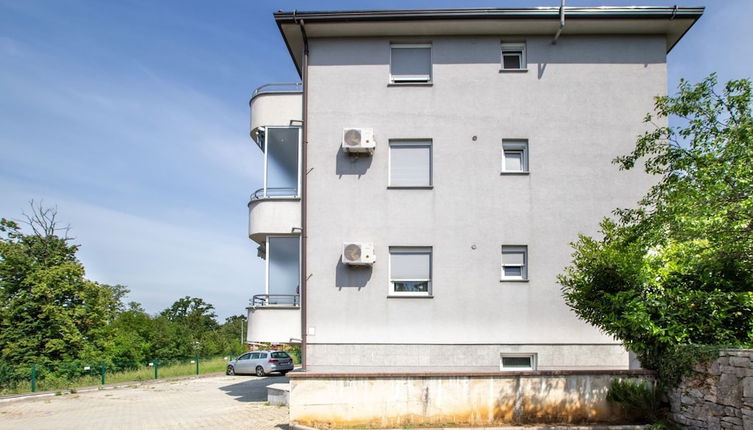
[[230, 371], [260, 371]]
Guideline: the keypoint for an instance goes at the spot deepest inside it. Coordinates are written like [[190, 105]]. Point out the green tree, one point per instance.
[[49, 311], [678, 269]]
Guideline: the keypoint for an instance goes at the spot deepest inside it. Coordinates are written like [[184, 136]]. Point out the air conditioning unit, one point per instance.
[[358, 140], [358, 254]]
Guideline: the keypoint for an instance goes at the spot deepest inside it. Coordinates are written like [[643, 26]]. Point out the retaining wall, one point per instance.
[[718, 396], [456, 399]]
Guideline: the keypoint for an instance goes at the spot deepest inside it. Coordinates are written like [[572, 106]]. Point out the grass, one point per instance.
[[209, 365]]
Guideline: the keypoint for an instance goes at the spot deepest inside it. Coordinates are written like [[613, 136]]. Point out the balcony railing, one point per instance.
[[263, 193], [279, 87], [262, 300]]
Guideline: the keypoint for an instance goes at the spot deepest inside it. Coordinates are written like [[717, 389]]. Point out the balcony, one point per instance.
[[274, 318], [275, 105], [273, 212]]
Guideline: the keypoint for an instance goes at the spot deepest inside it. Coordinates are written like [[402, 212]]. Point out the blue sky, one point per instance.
[[132, 118]]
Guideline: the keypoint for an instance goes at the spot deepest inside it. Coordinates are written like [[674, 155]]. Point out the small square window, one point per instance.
[[410, 271], [514, 263], [410, 163], [514, 56], [410, 63], [518, 362], [514, 156]]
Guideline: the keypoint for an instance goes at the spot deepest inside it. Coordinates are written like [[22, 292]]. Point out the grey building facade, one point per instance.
[[492, 148]]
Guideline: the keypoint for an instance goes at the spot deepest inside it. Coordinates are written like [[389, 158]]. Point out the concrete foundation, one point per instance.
[[470, 399]]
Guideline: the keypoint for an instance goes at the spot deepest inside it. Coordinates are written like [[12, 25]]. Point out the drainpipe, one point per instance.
[[304, 194], [562, 23]]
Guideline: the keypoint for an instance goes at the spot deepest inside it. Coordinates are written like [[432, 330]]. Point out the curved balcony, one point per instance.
[[275, 105], [273, 211], [274, 318]]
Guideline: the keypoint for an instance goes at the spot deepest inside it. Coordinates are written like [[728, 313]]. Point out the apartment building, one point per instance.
[[423, 183]]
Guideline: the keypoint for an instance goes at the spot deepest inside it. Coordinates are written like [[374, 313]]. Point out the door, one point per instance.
[[241, 365]]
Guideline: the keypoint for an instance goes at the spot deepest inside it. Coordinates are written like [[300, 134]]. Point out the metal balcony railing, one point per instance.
[[263, 193], [263, 300], [279, 87]]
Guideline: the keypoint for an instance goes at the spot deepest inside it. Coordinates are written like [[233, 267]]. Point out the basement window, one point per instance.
[[514, 362], [514, 57]]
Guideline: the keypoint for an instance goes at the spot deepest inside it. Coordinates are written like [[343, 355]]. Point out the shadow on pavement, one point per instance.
[[252, 390]]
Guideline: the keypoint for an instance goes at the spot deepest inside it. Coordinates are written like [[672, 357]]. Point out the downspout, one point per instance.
[[304, 194], [562, 23]]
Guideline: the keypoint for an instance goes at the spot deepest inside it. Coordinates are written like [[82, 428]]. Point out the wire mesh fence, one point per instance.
[[35, 377]]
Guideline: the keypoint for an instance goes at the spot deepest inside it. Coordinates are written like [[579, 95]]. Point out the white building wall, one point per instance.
[[580, 104]]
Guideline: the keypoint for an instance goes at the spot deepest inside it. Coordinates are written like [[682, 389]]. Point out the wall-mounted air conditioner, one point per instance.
[[358, 254], [358, 140]]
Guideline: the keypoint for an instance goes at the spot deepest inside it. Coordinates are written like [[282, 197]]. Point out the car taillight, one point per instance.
[[274, 360]]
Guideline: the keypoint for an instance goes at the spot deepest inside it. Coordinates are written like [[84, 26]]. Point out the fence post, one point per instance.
[[102, 373], [156, 366], [197, 364], [33, 378]]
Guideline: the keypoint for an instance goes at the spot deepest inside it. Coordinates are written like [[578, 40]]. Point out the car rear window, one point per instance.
[[280, 355]]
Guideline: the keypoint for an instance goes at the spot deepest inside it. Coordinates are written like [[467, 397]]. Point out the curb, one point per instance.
[[29, 396], [295, 426]]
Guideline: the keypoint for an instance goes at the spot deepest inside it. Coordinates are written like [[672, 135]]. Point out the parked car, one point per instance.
[[261, 363]]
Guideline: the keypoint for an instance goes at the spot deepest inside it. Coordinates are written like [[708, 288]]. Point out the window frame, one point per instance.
[[530, 355], [265, 155], [516, 146], [412, 79], [513, 47], [411, 143], [411, 250], [524, 267]]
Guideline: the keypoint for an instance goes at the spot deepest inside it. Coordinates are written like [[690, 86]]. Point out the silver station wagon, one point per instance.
[[261, 363]]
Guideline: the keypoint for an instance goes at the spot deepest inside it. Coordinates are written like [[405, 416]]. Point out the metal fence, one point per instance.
[[69, 375]]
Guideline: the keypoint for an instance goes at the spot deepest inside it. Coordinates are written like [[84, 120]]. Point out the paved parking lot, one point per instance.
[[217, 402]]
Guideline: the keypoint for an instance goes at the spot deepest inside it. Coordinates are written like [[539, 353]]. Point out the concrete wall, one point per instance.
[[580, 104], [274, 324], [385, 401], [273, 216], [268, 109], [718, 396]]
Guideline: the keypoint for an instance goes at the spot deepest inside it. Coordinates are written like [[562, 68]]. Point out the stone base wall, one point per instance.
[[719, 396]]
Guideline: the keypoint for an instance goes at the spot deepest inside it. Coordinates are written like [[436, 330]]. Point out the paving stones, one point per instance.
[[201, 403]]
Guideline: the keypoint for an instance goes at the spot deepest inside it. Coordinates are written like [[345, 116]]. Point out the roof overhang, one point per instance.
[[673, 22]]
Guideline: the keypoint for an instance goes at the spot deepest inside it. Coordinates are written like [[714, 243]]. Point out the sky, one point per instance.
[[131, 117]]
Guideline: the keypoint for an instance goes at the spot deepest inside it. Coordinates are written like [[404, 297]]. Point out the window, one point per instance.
[[514, 263], [254, 355], [410, 63], [514, 56], [410, 271], [282, 146], [515, 156], [410, 163], [245, 356], [518, 362]]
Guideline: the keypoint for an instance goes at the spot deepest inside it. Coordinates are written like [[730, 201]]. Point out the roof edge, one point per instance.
[[646, 12]]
